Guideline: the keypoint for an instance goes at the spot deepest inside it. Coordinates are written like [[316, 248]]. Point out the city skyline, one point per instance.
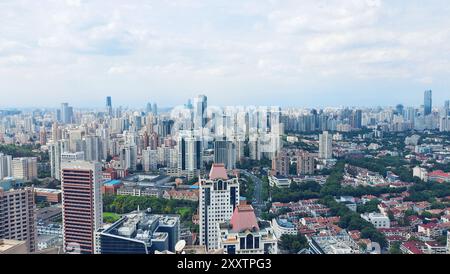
[[318, 53]]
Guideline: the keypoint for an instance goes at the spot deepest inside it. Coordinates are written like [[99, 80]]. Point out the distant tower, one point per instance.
[[428, 102], [109, 105], [325, 146]]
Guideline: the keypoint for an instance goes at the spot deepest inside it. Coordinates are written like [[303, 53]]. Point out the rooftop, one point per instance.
[[244, 218], [218, 171]]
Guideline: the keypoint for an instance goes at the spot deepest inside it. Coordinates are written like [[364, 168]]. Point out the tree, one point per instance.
[[293, 243]]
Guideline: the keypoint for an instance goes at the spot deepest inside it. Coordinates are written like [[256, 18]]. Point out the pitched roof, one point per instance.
[[218, 171], [244, 218]]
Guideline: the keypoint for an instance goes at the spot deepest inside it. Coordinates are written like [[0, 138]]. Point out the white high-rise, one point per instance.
[[325, 146], [219, 196]]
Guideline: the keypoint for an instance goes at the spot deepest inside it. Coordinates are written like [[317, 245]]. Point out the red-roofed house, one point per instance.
[[439, 176]]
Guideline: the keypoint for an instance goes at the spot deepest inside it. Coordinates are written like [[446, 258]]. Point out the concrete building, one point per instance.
[[5, 166], [377, 219], [279, 181], [17, 215], [82, 205], [13, 247], [219, 196], [283, 227], [141, 233], [243, 234], [24, 168], [325, 146]]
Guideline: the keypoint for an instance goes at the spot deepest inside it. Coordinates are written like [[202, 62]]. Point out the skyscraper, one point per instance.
[[190, 153], [428, 102], [108, 102], [82, 205], [109, 105], [66, 113], [200, 106], [219, 196], [325, 146], [17, 215]]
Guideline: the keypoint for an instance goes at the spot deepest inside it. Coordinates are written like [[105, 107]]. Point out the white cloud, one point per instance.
[[222, 44]]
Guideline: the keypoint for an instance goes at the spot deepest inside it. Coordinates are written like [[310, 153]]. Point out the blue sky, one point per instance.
[[268, 52]]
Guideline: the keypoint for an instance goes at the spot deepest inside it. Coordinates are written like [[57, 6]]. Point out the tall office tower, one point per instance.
[[66, 113], [325, 146], [81, 205], [200, 106], [155, 109], [447, 107], [93, 149], [357, 119], [190, 154], [128, 157], [428, 102], [17, 215], [148, 108], [305, 163], [42, 136], [5, 166], [411, 115], [150, 159], [109, 105], [24, 168], [225, 153], [219, 196]]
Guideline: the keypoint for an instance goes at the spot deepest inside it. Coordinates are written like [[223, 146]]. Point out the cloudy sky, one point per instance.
[[267, 52]]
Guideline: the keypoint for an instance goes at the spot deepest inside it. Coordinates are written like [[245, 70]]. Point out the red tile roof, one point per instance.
[[243, 219], [218, 171]]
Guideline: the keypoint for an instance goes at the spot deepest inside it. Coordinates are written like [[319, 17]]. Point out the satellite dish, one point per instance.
[[180, 246]]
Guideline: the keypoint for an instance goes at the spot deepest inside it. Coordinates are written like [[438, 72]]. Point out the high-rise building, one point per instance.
[[55, 149], [150, 159], [17, 215], [66, 113], [109, 105], [24, 168], [93, 148], [42, 136], [225, 153], [428, 102], [200, 105], [5, 166], [325, 146], [190, 152], [357, 119], [108, 102], [305, 163], [82, 205], [128, 157], [219, 196]]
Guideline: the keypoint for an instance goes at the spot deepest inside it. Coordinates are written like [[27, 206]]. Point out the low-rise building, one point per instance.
[[279, 181], [377, 219]]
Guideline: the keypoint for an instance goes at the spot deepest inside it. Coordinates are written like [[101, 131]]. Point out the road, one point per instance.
[[257, 202]]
